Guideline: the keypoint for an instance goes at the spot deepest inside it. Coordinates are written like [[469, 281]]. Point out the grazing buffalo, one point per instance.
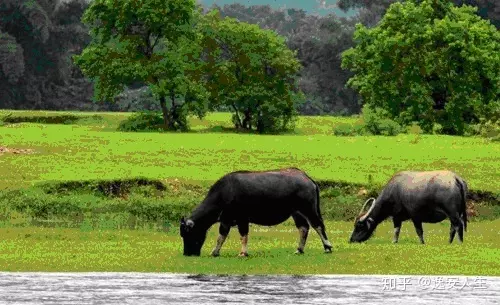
[[429, 197], [265, 198]]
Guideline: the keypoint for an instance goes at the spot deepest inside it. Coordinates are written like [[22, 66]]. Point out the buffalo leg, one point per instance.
[[458, 227], [243, 228], [461, 233], [452, 233], [397, 229], [456, 222], [317, 223], [223, 233], [303, 227], [320, 229], [420, 230]]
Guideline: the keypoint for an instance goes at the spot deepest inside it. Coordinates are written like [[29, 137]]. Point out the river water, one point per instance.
[[165, 288]]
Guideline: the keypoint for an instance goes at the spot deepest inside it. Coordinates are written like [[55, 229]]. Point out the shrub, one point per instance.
[[143, 121], [344, 129], [437, 128], [150, 209], [36, 203], [377, 122], [414, 129], [51, 119], [489, 129]]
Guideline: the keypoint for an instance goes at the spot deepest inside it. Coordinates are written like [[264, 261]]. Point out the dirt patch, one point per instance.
[[472, 209], [362, 192], [16, 151]]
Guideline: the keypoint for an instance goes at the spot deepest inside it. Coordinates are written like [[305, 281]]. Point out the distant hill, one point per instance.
[[320, 7]]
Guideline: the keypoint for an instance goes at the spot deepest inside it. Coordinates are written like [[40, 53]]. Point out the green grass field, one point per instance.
[[73, 152], [88, 147], [270, 249]]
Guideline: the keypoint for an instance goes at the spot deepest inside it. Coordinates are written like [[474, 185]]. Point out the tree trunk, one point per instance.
[[174, 114], [238, 122], [260, 123], [247, 120], [164, 110]]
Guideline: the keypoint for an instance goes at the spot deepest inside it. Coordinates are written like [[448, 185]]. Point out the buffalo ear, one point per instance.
[[190, 223], [183, 221]]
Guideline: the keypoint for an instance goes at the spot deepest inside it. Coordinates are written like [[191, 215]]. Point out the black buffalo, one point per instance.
[[429, 197], [264, 198]]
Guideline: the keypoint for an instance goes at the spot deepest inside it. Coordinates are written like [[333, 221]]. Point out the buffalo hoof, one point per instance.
[[215, 254], [243, 254], [328, 250], [299, 251], [394, 241]]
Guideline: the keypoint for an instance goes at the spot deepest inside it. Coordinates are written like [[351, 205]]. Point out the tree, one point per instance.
[[148, 41], [371, 11], [37, 38], [252, 72], [428, 62], [318, 41]]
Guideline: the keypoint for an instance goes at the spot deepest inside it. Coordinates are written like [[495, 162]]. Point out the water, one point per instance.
[[311, 6], [165, 288]]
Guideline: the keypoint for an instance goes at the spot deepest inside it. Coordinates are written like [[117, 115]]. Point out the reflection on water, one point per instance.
[[161, 288]]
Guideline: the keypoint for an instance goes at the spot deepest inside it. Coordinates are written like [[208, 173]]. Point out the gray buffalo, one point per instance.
[[423, 197], [261, 197]]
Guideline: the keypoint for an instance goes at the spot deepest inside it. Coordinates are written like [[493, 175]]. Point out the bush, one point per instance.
[[437, 128], [377, 122], [414, 129], [489, 129], [36, 203], [143, 121], [4, 118], [344, 129], [51, 119], [151, 210]]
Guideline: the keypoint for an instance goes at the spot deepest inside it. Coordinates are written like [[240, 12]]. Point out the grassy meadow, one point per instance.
[[270, 251], [66, 205]]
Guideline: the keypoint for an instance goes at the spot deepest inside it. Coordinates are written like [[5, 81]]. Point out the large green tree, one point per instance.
[[154, 42], [252, 72], [428, 62], [318, 41]]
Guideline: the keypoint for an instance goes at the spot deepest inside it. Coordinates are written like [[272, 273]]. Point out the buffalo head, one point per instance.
[[192, 236], [363, 225]]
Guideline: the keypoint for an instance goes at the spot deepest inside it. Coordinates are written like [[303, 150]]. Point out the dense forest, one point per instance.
[[38, 39]]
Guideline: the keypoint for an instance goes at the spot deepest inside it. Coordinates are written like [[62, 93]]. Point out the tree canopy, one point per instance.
[[428, 62], [147, 41], [252, 72]]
